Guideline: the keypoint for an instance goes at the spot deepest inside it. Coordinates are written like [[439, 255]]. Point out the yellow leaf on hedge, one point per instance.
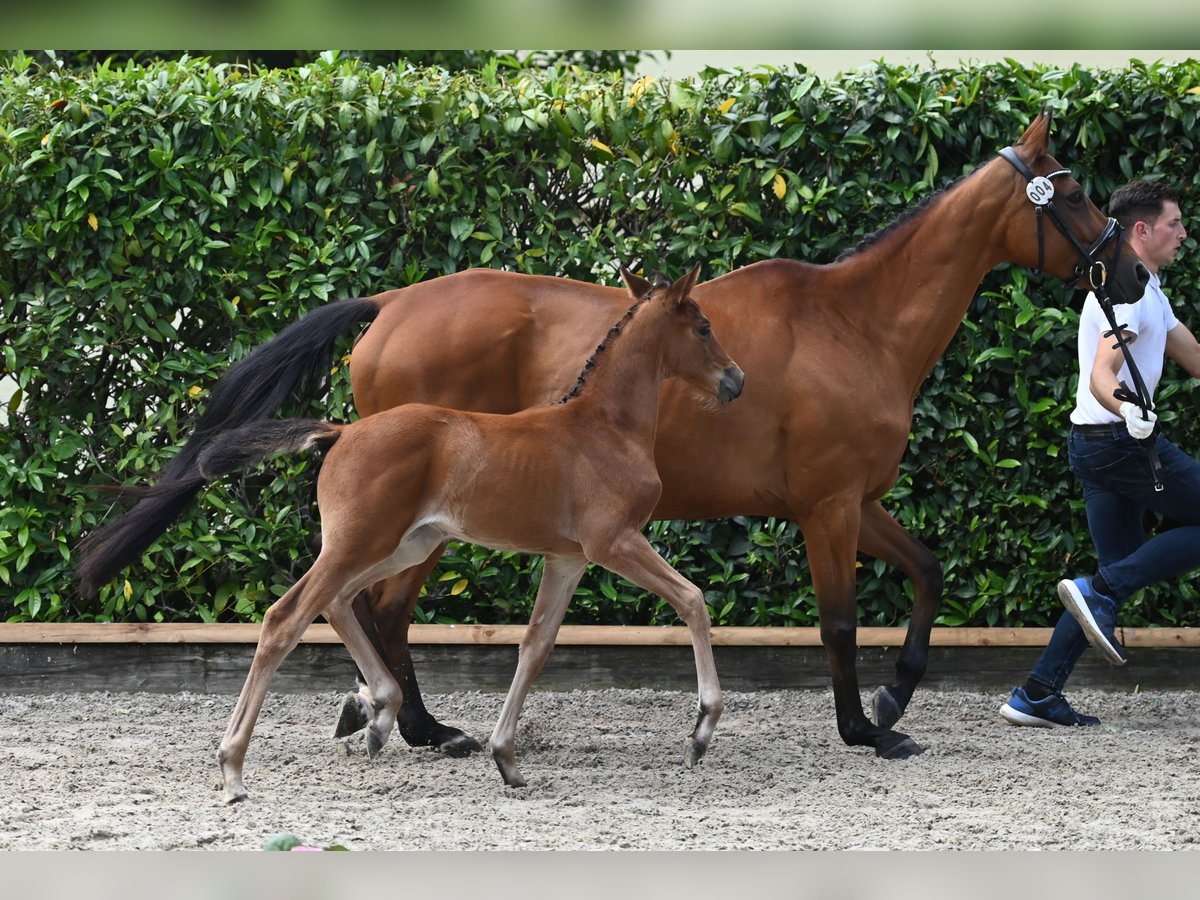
[[194, 391], [459, 587], [45, 139], [1195, 90], [93, 222], [128, 589], [638, 88], [780, 187], [600, 145], [727, 105]]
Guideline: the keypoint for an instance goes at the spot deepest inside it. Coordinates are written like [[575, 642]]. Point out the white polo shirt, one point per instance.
[[1149, 319]]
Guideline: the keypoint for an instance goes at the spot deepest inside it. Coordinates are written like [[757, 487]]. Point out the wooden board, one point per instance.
[[221, 668], [570, 635]]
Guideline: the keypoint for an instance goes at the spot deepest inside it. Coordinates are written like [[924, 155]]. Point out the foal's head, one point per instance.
[[689, 349]]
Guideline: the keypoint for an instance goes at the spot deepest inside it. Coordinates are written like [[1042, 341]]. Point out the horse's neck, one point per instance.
[[622, 389], [910, 292]]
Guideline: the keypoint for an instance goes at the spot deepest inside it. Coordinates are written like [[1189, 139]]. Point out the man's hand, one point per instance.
[[1139, 423]]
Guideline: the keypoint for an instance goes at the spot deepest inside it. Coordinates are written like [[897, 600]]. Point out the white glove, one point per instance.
[[1138, 426]]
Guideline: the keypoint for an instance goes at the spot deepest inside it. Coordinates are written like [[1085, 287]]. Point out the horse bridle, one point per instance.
[[1040, 191]]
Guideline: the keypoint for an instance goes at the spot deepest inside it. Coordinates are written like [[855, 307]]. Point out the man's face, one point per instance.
[[1163, 236]]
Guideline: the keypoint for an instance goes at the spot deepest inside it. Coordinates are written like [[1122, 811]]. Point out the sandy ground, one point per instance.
[[138, 771]]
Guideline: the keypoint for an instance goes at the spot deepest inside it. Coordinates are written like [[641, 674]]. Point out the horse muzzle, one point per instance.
[[729, 388]]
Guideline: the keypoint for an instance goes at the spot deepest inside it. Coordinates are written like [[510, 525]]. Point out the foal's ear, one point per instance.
[[681, 288], [638, 286]]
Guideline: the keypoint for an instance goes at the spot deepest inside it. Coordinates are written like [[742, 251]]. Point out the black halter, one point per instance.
[[1040, 190]]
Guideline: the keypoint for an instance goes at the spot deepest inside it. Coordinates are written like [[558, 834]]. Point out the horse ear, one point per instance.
[[638, 287], [683, 287], [1037, 135]]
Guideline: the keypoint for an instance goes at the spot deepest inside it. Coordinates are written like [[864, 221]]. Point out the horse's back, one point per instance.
[[482, 339]]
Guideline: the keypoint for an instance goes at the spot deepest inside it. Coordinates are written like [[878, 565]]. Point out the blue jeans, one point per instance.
[[1118, 488]]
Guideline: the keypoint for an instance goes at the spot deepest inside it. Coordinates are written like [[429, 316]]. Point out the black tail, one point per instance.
[[293, 363], [232, 450]]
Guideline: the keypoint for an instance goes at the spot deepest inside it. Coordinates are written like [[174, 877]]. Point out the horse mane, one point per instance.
[[658, 281], [904, 217]]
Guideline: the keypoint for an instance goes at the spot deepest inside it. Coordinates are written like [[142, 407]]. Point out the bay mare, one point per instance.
[[833, 354]]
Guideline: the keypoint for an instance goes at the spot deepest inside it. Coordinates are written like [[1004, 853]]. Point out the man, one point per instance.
[[1114, 469]]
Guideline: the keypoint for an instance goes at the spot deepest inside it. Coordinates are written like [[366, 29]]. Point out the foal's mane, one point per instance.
[[659, 281], [908, 215]]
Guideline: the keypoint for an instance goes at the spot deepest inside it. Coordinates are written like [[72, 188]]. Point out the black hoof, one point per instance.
[[354, 717], [886, 710], [903, 748], [459, 745], [425, 731]]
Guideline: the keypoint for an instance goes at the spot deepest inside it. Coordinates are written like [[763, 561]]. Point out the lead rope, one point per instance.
[[1098, 275], [1040, 191]]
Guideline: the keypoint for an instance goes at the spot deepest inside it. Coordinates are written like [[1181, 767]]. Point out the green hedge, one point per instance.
[[159, 222]]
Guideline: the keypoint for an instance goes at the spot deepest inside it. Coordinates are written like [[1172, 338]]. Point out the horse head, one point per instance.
[[690, 351], [1059, 227]]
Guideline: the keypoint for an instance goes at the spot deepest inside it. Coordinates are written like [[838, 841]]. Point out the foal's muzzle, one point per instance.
[[730, 386]]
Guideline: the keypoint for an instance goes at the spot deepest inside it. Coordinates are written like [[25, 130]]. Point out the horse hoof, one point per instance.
[[886, 710], [460, 746], [354, 717], [237, 796], [905, 748], [510, 773], [693, 752], [374, 743]]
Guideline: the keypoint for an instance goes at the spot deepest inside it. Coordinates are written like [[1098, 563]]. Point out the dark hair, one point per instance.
[[1140, 201]]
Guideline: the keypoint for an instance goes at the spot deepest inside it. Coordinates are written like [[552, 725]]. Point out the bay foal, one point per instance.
[[574, 481]]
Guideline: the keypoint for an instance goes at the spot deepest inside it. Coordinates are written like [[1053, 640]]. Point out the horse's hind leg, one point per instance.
[[560, 577], [377, 711], [385, 611], [632, 557], [384, 693], [282, 627], [882, 537]]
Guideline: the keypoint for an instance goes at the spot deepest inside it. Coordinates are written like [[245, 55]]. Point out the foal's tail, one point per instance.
[[245, 446], [293, 363]]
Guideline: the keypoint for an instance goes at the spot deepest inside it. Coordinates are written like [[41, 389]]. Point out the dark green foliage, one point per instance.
[[158, 222]]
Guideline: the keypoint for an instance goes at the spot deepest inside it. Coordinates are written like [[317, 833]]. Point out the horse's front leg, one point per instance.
[[632, 557], [560, 577], [882, 537], [830, 535]]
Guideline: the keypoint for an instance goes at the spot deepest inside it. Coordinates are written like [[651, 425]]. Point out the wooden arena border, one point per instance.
[[570, 635], [40, 658]]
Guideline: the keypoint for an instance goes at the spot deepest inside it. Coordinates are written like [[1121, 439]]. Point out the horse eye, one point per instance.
[[704, 330]]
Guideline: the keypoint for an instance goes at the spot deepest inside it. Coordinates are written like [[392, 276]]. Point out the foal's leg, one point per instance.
[[882, 536], [560, 577], [830, 535], [633, 558], [283, 626], [385, 612], [384, 693]]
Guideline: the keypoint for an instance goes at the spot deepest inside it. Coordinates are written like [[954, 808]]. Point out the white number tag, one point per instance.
[[1040, 190]]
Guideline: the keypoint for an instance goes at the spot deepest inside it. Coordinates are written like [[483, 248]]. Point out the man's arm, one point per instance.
[[1183, 347], [1105, 368]]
